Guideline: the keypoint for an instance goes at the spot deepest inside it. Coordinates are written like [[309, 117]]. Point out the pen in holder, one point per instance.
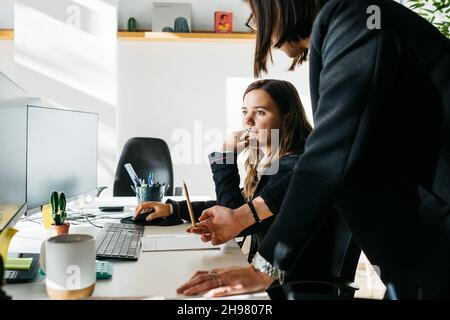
[[147, 193]]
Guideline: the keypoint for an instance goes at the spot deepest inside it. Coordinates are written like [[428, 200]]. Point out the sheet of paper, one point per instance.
[[175, 242], [5, 238]]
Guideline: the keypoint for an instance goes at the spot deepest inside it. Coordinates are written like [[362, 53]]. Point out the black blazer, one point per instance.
[[380, 149]]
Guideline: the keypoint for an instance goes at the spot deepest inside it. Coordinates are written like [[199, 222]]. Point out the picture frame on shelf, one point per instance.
[[171, 17], [223, 22]]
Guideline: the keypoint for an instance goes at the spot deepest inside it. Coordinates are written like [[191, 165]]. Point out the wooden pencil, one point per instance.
[[191, 212]]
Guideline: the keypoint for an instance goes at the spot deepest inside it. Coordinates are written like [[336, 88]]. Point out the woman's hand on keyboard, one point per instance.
[[161, 210]]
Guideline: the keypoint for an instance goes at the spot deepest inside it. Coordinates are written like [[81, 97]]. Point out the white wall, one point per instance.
[[6, 14]]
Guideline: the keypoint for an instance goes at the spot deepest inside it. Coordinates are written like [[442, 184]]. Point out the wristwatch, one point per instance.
[[261, 264]]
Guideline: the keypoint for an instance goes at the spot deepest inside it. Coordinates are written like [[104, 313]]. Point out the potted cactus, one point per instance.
[[58, 202]]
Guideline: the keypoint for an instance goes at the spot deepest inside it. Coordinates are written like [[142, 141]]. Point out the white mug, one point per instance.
[[68, 261]]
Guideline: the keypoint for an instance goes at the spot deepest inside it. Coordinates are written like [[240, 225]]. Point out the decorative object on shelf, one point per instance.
[[223, 22], [181, 25], [171, 17], [436, 12], [58, 203], [132, 25]]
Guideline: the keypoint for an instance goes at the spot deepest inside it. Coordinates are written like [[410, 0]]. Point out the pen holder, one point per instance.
[[153, 193]]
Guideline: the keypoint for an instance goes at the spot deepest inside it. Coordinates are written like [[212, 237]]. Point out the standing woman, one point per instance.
[[379, 152]]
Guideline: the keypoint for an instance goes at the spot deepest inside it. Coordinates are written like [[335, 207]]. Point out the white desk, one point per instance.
[[155, 274]]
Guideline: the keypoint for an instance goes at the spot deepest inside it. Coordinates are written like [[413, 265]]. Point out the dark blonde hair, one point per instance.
[[295, 129], [285, 21]]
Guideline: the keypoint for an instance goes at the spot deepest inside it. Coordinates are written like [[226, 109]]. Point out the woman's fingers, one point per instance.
[[206, 237], [154, 215], [244, 134], [143, 206], [200, 288], [195, 280], [219, 292], [198, 273], [215, 240], [206, 214], [197, 230]]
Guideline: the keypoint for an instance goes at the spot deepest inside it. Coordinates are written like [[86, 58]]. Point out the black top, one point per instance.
[[229, 194], [380, 149]]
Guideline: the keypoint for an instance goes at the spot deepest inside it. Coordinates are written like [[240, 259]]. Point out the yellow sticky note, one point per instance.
[[22, 264], [47, 217], [5, 238]]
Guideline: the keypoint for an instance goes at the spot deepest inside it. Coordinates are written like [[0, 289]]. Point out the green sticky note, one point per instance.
[[21, 264]]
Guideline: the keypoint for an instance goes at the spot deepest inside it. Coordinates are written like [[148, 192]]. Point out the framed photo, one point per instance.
[[171, 17], [223, 22]]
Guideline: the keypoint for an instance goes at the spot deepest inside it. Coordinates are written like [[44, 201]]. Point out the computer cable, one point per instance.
[[97, 226]]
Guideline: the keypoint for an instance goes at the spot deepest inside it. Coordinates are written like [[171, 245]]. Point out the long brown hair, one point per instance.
[[279, 22], [292, 134]]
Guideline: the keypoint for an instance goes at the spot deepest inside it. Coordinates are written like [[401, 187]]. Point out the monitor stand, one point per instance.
[[14, 276]]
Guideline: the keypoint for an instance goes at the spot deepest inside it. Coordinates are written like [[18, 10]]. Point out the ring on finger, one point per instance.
[[213, 275], [220, 282]]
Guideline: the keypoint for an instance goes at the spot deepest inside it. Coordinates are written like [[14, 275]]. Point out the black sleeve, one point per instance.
[[180, 208], [226, 179], [272, 193], [349, 57], [275, 190], [257, 227]]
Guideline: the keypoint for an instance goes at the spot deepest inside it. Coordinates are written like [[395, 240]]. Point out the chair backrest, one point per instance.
[[329, 260], [145, 155], [331, 253]]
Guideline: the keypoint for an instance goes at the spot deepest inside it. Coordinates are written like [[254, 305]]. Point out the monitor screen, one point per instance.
[[62, 154], [13, 152]]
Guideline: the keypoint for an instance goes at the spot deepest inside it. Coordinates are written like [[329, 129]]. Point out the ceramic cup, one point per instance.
[[69, 264]]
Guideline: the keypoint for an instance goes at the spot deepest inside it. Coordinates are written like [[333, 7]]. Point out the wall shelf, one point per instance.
[[6, 34], [194, 36], [167, 36]]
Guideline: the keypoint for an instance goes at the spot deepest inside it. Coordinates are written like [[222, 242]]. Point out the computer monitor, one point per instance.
[[62, 154], [13, 152]]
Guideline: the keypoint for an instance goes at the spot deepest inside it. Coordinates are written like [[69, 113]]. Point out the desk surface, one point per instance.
[[154, 275]]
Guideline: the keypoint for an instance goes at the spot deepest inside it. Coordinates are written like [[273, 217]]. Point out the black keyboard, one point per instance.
[[119, 241]]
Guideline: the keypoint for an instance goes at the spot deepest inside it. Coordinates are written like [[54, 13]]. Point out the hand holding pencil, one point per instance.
[[218, 225]]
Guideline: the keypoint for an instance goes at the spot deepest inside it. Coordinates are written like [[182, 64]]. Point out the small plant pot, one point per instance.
[[60, 229]]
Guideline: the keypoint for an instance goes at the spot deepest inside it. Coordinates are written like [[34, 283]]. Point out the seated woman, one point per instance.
[[269, 107]]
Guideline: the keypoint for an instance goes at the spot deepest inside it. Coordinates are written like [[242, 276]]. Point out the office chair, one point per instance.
[[329, 265], [145, 155]]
